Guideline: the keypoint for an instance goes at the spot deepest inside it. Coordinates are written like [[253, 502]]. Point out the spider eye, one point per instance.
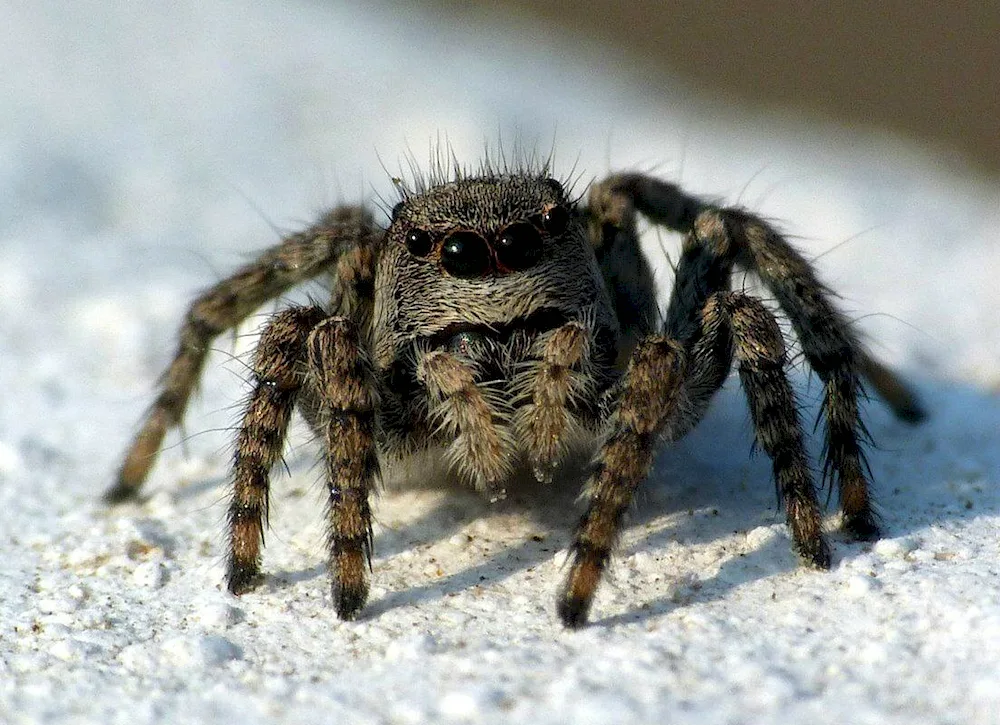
[[555, 220], [418, 242], [466, 254], [519, 246], [396, 209], [556, 187]]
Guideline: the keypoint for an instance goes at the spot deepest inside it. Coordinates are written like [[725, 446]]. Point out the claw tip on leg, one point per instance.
[[572, 611], [121, 492]]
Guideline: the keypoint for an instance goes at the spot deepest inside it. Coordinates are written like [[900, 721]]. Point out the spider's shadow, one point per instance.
[[710, 470], [689, 476], [554, 510]]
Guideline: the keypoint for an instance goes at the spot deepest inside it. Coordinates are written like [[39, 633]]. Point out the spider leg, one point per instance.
[[341, 378], [827, 342], [675, 386], [277, 372], [340, 242], [761, 361], [891, 388], [481, 448], [615, 200], [732, 236], [626, 271], [716, 323], [650, 393]]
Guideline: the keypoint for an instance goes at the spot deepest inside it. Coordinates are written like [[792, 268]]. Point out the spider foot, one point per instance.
[[814, 553], [913, 412], [577, 594], [241, 578], [349, 582], [349, 600], [572, 609], [862, 527], [121, 492]]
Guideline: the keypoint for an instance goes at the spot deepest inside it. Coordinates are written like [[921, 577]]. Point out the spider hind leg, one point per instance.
[[340, 242], [730, 237]]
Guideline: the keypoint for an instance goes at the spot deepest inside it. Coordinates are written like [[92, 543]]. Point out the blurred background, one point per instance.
[[146, 149], [925, 69]]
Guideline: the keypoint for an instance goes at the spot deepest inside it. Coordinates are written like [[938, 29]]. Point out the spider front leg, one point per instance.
[[660, 393], [343, 383], [341, 242], [651, 393], [278, 376]]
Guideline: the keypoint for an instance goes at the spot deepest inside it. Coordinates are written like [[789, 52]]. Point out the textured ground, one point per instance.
[[146, 152]]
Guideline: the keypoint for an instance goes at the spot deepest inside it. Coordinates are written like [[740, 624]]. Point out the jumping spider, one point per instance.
[[498, 321]]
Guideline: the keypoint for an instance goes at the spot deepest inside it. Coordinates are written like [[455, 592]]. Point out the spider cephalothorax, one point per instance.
[[497, 322]]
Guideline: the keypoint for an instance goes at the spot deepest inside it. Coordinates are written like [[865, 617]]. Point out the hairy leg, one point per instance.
[[278, 376], [676, 386], [760, 355], [621, 195], [341, 378], [651, 393], [346, 233], [546, 423], [719, 239], [828, 344], [626, 272]]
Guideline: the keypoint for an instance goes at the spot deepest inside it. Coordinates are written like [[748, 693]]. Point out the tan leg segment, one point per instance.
[[298, 258], [342, 377], [546, 421], [278, 375], [481, 449], [651, 394]]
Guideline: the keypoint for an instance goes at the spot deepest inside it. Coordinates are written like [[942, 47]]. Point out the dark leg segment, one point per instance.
[[278, 369], [760, 355], [893, 390], [731, 236], [626, 271], [827, 343], [716, 323], [347, 231], [342, 379], [649, 396]]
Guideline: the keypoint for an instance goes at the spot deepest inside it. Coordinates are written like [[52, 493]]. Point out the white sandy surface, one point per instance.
[[147, 149]]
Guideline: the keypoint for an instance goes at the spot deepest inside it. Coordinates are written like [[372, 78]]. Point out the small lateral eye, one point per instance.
[[556, 187], [519, 246], [418, 242], [555, 220]]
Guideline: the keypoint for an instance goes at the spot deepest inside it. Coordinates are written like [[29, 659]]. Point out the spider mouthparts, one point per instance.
[[543, 473]]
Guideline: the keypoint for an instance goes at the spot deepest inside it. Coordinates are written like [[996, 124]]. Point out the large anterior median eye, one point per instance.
[[466, 254], [519, 246]]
